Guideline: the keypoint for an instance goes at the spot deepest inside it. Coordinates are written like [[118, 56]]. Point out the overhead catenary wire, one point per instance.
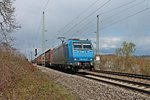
[[116, 8], [46, 5], [111, 10], [83, 32], [83, 12], [87, 17], [123, 10], [125, 18]]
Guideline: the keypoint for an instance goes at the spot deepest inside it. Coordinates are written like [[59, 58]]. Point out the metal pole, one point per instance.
[[43, 39], [31, 56], [97, 36]]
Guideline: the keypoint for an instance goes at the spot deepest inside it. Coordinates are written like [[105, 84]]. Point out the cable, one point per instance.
[[111, 11], [126, 17], [46, 5], [116, 9], [87, 17], [83, 12], [123, 5], [122, 11], [82, 32]]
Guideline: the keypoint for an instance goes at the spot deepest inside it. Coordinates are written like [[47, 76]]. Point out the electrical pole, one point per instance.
[[97, 56], [31, 56], [97, 36], [43, 39]]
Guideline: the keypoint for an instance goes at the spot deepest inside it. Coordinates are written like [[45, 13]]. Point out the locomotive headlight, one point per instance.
[[91, 59], [75, 59], [91, 63]]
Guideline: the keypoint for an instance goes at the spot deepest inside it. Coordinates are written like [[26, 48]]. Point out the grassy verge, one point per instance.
[[22, 81], [36, 86]]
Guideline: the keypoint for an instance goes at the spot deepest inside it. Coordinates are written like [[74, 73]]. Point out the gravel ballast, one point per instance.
[[87, 89]]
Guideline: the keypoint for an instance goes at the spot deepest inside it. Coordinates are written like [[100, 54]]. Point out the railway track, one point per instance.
[[122, 81], [124, 74]]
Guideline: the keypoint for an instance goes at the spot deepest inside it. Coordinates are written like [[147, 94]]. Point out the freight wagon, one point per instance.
[[48, 57]]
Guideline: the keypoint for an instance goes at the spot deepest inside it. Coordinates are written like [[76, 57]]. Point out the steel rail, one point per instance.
[[141, 87], [124, 74]]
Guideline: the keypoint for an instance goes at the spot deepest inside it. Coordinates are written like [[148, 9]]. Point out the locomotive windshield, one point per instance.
[[84, 45], [87, 46], [77, 46]]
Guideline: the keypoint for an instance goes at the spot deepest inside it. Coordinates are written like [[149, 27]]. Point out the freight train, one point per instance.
[[74, 54]]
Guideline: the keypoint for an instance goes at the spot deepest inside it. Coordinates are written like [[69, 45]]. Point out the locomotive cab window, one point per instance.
[[87, 46], [77, 46]]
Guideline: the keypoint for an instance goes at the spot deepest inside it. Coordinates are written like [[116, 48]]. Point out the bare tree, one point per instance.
[[7, 21], [125, 56], [126, 50]]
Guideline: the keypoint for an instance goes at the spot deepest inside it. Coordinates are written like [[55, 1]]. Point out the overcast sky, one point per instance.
[[77, 19]]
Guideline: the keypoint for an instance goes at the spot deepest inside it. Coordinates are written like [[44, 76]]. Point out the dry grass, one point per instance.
[[22, 81], [129, 65]]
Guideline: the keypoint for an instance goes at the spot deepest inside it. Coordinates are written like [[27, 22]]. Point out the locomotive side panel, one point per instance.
[[66, 54], [58, 55]]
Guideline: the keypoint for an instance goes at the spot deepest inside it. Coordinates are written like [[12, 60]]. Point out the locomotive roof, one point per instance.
[[78, 40], [75, 39]]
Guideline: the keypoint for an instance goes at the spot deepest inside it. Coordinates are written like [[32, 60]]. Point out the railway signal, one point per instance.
[[35, 52]]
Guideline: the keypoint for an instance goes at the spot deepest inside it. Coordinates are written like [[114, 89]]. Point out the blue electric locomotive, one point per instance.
[[74, 54]]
